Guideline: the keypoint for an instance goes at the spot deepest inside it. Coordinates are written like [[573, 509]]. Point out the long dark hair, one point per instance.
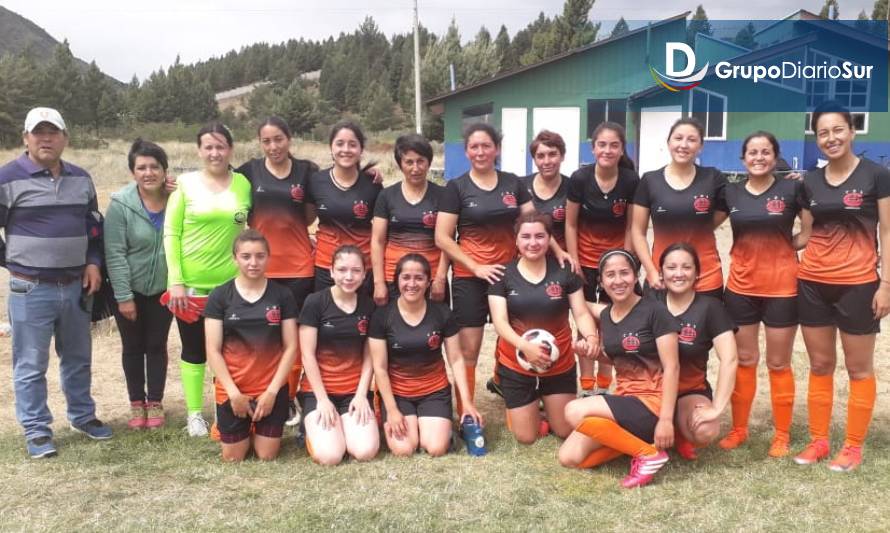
[[625, 161]]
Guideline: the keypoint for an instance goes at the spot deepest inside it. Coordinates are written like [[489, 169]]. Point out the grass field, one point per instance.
[[163, 480]]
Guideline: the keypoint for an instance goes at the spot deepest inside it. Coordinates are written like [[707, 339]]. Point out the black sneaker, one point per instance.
[[93, 429]]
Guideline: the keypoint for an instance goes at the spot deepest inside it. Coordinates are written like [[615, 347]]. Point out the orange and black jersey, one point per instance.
[[602, 216], [555, 206], [414, 353], [763, 258], [703, 321], [686, 216], [542, 305], [485, 218], [410, 228], [277, 211], [842, 249], [252, 346], [631, 346], [340, 342], [344, 215]]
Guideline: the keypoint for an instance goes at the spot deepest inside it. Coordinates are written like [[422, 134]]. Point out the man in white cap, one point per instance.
[[48, 210]]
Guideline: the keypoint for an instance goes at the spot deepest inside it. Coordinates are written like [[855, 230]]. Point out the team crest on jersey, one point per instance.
[[297, 193], [240, 217], [362, 325], [554, 290], [273, 315], [775, 205], [619, 207], [559, 213], [853, 199], [688, 333], [701, 203], [429, 219], [434, 340], [360, 209], [509, 199], [630, 342]]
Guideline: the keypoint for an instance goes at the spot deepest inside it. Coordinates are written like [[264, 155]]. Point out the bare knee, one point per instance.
[[525, 437], [566, 458], [233, 456], [327, 458], [574, 412], [401, 448], [364, 453], [437, 449]]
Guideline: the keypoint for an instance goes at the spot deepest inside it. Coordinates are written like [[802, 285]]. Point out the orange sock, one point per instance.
[[743, 395], [471, 386], [587, 382], [781, 391], [610, 434], [819, 403], [293, 380], [860, 405], [603, 381], [599, 456]]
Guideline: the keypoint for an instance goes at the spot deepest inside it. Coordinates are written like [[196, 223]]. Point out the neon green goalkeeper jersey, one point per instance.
[[199, 228]]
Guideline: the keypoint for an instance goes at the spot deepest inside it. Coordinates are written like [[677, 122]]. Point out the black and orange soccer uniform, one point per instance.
[[340, 341], [252, 345], [555, 206], [485, 218], [602, 216], [542, 305], [631, 346], [410, 227], [700, 324], [414, 352], [838, 268], [344, 215], [278, 212], [686, 216]]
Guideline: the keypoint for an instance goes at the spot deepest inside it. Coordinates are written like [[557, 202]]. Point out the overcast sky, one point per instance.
[[126, 37]]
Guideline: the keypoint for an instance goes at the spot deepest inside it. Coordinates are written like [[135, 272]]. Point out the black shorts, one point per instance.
[[632, 414], [707, 392], [469, 300], [194, 349], [774, 312], [436, 404], [299, 287], [592, 290], [323, 280], [308, 402], [233, 429], [393, 292], [846, 306], [520, 390]]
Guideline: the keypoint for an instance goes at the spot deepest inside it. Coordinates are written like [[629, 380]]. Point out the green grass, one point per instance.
[[164, 480]]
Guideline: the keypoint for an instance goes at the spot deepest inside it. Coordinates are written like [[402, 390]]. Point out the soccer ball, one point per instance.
[[538, 336]]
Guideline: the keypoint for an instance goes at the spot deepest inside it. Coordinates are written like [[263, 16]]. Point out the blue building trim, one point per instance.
[[726, 155]]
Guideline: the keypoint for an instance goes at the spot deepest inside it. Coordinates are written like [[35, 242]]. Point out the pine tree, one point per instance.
[[831, 10], [620, 28], [379, 110], [879, 11], [698, 24], [575, 22], [295, 106], [745, 37], [61, 84], [502, 48], [94, 87], [479, 59]]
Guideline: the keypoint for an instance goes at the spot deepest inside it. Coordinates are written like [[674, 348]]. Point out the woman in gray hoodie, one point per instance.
[[134, 253]]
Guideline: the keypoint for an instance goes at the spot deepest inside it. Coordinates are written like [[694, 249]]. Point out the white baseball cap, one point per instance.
[[43, 114]]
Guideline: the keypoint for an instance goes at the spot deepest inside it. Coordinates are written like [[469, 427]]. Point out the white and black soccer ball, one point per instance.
[[538, 336]]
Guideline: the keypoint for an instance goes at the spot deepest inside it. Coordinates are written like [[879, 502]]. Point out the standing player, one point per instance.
[[683, 200], [406, 339], [704, 324], [343, 196], [762, 285], [548, 187], [334, 392], [204, 215], [405, 222], [251, 331], [482, 206], [535, 292], [839, 287], [640, 337], [278, 211], [597, 219]]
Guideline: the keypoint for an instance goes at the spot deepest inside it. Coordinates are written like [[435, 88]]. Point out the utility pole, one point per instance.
[[418, 118]]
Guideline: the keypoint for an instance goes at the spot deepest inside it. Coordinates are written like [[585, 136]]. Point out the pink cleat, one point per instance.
[[643, 469]]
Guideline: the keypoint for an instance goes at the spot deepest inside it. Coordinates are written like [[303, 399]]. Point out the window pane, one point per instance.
[[701, 116], [618, 111], [807, 117], [699, 101], [859, 121], [858, 100], [596, 114]]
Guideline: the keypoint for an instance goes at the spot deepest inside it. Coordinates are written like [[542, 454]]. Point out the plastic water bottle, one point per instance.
[[472, 434]]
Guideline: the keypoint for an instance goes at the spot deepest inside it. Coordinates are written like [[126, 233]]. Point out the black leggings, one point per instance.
[[144, 344], [194, 350]]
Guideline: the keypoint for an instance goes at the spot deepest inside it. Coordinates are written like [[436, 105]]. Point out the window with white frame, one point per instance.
[[611, 110], [710, 109], [852, 94], [860, 123]]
